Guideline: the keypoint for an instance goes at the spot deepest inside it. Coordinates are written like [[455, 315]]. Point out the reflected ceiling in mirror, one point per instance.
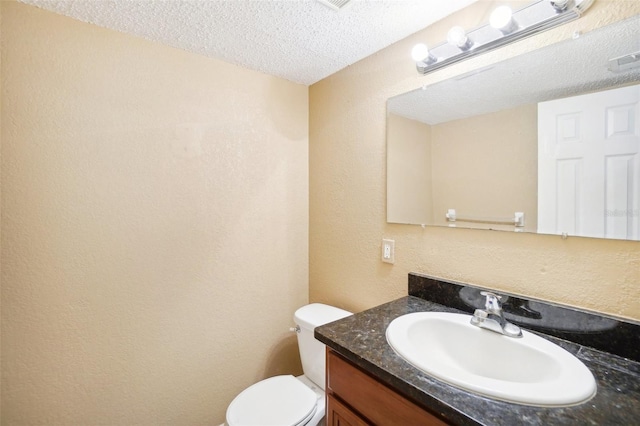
[[464, 152]]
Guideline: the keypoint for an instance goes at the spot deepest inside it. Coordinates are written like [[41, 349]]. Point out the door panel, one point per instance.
[[589, 165]]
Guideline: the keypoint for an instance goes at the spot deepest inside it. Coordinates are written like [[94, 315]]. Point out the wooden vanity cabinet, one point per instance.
[[356, 399]]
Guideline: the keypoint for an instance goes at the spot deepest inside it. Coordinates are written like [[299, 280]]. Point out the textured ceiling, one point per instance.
[[300, 40]]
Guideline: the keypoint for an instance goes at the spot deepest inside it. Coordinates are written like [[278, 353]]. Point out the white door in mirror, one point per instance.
[[589, 165]]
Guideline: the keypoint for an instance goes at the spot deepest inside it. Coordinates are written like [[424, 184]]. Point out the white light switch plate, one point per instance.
[[388, 251]]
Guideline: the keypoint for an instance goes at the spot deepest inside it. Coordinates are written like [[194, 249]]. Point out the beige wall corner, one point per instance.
[[154, 226], [348, 199], [409, 181]]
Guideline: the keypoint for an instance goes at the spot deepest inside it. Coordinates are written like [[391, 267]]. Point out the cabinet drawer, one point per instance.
[[370, 398], [340, 415]]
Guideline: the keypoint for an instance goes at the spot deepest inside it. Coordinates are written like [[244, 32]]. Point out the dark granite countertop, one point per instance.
[[361, 339]]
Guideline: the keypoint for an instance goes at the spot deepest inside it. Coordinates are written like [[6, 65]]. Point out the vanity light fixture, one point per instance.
[[505, 26], [560, 5], [420, 53], [502, 20], [457, 36]]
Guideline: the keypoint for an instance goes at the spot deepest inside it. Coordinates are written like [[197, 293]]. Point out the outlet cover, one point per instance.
[[388, 251]]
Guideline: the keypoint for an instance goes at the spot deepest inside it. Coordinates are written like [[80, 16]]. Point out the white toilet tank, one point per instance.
[[312, 352]]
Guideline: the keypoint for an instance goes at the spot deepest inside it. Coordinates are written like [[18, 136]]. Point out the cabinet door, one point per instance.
[[339, 415], [374, 401]]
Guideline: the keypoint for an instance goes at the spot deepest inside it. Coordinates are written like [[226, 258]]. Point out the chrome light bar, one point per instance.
[[504, 27]]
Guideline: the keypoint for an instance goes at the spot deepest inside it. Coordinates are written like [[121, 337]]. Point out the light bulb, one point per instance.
[[457, 36], [420, 52], [560, 5], [502, 19]]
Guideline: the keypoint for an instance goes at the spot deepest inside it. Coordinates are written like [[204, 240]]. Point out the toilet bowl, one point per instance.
[[287, 400], [278, 400]]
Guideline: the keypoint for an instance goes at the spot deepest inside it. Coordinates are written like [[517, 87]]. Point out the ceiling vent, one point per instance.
[[335, 4], [626, 62]]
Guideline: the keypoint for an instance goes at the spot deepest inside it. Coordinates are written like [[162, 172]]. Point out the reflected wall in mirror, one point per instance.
[[494, 142]]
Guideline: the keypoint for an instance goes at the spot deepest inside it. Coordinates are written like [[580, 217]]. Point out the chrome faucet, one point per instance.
[[492, 317]]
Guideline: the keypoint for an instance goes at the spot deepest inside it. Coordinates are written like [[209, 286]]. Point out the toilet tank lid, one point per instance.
[[316, 314]]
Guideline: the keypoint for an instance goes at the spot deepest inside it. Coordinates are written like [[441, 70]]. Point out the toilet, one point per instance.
[[287, 400]]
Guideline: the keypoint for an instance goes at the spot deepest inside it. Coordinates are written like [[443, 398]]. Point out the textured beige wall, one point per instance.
[[154, 226], [347, 196], [409, 186], [486, 166], [483, 166]]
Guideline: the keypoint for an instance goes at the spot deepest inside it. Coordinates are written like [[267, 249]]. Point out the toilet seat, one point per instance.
[[277, 401]]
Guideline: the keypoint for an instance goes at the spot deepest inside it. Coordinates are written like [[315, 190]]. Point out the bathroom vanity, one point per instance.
[[368, 383]]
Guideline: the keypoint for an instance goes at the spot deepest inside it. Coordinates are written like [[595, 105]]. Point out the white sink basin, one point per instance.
[[528, 370]]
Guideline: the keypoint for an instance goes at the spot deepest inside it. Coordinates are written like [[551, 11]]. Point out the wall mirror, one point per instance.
[[545, 142]]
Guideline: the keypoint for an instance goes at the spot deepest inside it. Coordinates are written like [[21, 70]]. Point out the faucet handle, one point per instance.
[[490, 294], [492, 303]]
